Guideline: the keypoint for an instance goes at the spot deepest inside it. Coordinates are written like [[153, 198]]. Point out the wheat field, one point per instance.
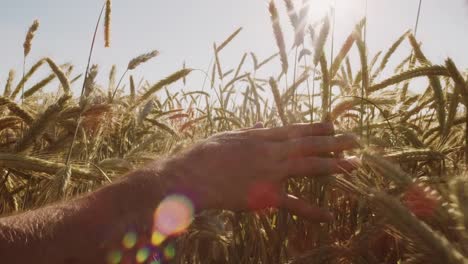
[[407, 203]]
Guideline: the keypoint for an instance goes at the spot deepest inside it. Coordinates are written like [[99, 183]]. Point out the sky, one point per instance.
[[184, 30]]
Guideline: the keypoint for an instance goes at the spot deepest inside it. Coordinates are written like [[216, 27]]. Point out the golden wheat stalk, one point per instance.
[[461, 85], [301, 24], [432, 132], [326, 89], [362, 48], [213, 76], [60, 75], [265, 61], [292, 14], [351, 103], [132, 89], [278, 36], [416, 110], [234, 80], [459, 187], [217, 64], [29, 163], [26, 77], [439, 248], [453, 102], [433, 80], [228, 40], [39, 126], [279, 104], [293, 88], [163, 126], [9, 83], [59, 185], [415, 155], [90, 80], [38, 86], [349, 42], [107, 23], [435, 70], [161, 84], [387, 170], [17, 110], [239, 66], [321, 40], [9, 122], [253, 86], [374, 60], [389, 54], [411, 135], [29, 38], [135, 62]]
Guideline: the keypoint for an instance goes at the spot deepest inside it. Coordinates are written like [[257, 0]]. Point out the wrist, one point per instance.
[[177, 200], [174, 178]]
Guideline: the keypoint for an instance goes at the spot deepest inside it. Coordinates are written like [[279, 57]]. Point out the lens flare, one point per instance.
[[129, 240], [157, 238], [173, 216], [142, 255], [169, 252], [114, 257]]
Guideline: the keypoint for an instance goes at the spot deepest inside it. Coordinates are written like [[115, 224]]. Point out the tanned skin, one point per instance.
[[217, 173]]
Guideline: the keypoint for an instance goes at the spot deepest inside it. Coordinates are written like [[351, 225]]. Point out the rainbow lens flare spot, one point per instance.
[[114, 257], [142, 255], [174, 215], [129, 240], [157, 238], [169, 252]]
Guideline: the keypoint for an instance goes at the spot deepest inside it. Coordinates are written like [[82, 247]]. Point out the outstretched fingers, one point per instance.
[[317, 166], [294, 131], [315, 145]]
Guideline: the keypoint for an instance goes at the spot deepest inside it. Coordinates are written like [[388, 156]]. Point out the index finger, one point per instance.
[[294, 131]]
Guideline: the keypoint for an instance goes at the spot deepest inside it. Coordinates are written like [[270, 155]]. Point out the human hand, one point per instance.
[[246, 169]]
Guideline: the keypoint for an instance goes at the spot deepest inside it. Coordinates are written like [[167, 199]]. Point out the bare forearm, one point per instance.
[[242, 170], [83, 230]]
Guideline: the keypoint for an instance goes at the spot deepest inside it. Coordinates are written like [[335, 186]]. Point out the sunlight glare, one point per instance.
[[142, 255], [129, 240], [173, 215]]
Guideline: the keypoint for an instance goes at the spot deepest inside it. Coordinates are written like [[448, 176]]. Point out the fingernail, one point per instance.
[[258, 125]]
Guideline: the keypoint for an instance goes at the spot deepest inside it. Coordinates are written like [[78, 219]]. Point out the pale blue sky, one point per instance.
[[185, 30]]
